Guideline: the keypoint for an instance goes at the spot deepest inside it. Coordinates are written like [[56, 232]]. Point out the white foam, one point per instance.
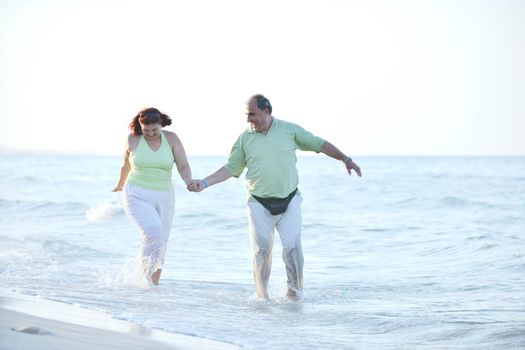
[[104, 211]]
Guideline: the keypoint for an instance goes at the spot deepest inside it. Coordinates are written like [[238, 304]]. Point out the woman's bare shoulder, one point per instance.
[[133, 141], [171, 137]]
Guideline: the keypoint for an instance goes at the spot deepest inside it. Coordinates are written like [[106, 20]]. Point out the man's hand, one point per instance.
[[350, 165], [195, 185]]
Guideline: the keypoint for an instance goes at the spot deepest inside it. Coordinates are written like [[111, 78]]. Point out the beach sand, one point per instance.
[[32, 323]]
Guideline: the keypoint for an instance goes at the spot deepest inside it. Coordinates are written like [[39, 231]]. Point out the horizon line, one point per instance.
[[23, 151]]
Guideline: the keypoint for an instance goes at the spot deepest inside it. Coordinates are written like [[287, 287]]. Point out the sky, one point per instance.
[[372, 77]]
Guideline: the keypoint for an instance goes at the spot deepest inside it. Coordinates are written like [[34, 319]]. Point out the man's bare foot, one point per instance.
[[291, 294]]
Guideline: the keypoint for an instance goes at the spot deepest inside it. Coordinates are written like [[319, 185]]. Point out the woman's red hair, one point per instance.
[[148, 116]]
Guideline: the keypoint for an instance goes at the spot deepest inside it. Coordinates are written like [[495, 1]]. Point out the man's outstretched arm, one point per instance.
[[334, 152]]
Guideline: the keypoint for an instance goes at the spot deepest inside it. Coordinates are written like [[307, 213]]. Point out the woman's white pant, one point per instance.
[[261, 228], [152, 213]]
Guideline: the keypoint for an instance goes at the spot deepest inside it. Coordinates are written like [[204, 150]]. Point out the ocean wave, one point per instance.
[[408, 200], [104, 211], [454, 201], [57, 247], [24, 179], [46, 255], [47, 208]]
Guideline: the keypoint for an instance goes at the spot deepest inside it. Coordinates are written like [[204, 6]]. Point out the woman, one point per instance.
[[145, 179]]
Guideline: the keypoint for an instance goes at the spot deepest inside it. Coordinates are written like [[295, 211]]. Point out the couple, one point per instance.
[[267, 149]]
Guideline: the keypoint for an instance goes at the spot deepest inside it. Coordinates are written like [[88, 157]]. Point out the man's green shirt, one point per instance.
[[271, 158]]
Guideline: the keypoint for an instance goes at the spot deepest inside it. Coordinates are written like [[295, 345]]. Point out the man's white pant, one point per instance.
[[261, 228], [152, 213]]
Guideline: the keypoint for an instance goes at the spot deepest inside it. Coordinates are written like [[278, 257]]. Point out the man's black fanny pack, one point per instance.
[[276, 206]]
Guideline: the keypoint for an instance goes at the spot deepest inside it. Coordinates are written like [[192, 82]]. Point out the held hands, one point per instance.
[[195, 185]]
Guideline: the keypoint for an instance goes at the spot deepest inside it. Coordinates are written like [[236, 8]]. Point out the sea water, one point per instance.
[[419, 253]]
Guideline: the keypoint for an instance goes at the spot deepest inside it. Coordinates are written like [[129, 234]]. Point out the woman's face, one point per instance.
[[151, 131]]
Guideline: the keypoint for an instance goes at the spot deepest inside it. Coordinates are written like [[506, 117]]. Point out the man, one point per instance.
[[267, 149]]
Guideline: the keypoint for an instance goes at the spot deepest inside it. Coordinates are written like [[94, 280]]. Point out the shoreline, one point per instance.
[[31, 322]]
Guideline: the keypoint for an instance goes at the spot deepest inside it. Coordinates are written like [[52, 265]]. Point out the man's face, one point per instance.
[[255, 116]]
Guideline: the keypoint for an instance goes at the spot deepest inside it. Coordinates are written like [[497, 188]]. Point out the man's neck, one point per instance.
[[267, 125]]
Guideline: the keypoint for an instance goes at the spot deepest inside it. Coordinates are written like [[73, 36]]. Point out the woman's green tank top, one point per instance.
[[151, 169]]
